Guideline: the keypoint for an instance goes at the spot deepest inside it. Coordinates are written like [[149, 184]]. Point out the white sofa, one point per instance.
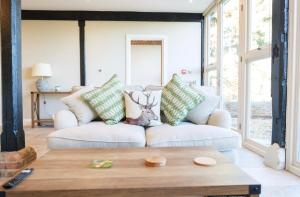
[[97, 134]]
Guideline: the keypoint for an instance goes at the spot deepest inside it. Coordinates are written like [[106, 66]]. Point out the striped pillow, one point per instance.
[[177, 100], [108, 101]]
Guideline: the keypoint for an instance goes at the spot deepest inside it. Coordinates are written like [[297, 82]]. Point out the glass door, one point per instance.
[[258, 116], [230, 59], [260, 101]]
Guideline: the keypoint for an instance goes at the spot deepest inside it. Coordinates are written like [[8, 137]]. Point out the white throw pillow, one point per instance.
[[200, 114], [143, 107], [76, 104]]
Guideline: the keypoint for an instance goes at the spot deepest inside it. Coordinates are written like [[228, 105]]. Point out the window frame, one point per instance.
[[293, 92], [246, 55], [218, 66], [248, 21], [214, 66]]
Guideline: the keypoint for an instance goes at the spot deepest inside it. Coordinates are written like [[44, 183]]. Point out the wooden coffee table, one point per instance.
[[66, 173]]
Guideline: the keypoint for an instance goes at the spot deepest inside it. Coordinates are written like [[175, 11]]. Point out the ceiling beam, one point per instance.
[[110, 16]]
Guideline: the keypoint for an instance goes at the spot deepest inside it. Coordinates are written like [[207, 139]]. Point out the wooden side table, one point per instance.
[[35, 107]]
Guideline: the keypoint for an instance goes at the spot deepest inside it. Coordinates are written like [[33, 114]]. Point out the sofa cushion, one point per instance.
[[188, 134], [143, 108], [98, 135], [79, 107], [108, 100], [178, 99], [201, 113]]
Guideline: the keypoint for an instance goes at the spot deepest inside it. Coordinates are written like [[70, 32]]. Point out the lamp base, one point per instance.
[[42, 85]]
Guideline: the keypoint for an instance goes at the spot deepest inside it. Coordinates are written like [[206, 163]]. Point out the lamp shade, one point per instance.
[[41, 70]]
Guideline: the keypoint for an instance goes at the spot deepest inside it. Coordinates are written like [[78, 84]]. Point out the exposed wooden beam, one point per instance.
[[12, 137], [81, 24], [110, 16]]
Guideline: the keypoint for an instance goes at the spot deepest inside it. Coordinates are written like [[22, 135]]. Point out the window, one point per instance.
[[260, 12], [238, 65], [260, 113], [212, 78], [258, 73], [222, 71], [230, 58], [211, 69], [213, 34]]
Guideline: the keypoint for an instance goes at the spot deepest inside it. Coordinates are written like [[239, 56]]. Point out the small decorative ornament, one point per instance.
[[205, 161], [275, 157], [57, 88], [156, 161]]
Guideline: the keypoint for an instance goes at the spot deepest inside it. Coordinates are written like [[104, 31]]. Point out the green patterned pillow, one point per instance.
[[108, 101], [177, 100]]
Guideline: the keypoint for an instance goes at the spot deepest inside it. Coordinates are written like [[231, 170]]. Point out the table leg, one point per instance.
[[38, 108], [32, 110]]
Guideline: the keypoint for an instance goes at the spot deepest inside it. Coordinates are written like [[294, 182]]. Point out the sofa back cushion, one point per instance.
[[83, 112], [200, 114]]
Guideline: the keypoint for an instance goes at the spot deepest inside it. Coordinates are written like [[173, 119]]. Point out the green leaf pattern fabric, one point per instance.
[[108, 101], [178, 99]]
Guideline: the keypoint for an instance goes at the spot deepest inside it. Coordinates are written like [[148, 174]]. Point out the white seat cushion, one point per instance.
[[188, 134], [98, 135]]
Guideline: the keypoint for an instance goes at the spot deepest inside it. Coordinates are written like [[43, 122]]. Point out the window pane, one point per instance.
[[260, 17], [212, 37], [260, 127], [230, 58], [212, 79]]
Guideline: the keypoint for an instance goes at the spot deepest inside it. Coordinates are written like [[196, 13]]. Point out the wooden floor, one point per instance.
[[37, 138]]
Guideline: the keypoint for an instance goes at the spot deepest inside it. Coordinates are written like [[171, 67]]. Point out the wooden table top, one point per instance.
[[64, 173]]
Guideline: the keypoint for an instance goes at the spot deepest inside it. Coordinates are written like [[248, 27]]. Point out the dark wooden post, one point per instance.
[[202, 49], [279, 69], [12, 137], [81, 24]]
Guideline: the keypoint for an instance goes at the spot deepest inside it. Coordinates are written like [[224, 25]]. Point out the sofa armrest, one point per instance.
[[64, 119], [220, 119]]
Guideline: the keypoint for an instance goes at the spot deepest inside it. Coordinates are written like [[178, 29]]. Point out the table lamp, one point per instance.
[[42, 70]]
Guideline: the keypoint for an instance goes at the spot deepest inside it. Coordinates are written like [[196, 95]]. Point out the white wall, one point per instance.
[[105, 42], [57, 43]]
